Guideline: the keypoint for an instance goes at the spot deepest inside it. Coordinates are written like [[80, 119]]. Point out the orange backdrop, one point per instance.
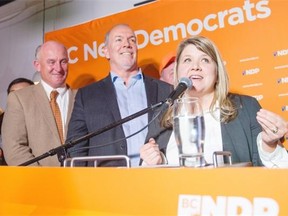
[[251, 35], [29, 191]]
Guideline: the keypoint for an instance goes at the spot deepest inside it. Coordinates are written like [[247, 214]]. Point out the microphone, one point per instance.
[[184, 83], [61, 151]]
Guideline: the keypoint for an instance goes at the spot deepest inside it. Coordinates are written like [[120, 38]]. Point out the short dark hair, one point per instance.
[[19, 80]]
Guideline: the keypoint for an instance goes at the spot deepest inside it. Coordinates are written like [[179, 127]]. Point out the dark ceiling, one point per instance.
[[3, 2]]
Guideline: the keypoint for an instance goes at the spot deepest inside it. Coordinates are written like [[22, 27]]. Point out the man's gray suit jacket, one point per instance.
[[96, 107]]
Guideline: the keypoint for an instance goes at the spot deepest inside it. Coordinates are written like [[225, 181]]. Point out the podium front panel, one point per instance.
[[143, 191]]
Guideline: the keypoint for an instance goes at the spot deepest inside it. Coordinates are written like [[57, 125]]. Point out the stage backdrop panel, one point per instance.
[[251, 35], [143, 191]]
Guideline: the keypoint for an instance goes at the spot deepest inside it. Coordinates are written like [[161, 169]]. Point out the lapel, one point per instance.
[[160, 134], [235, 138], [151, 92], [43, 104], [110, 95], [71, 95]]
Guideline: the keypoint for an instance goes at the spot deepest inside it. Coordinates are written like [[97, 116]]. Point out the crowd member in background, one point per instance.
[[19, 83], [29, 127], [125, 91], [230, 119], [16, 84], [166, 69]]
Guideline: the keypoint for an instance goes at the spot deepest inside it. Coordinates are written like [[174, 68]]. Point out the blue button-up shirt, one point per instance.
[[132, 98]]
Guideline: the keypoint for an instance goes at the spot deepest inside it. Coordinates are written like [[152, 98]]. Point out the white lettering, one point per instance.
[[100, 50], [251, 71], [248, 9], [221, 18], [261, 7], [237, 16], [226, 205], [283, 80], [209, 207], [173, 29], [198, 29], [282, 52], [156, 37], [239, 206], [88, 50], [145, 38], [211, 22], [206, 22], [71, 60], [265, 206]]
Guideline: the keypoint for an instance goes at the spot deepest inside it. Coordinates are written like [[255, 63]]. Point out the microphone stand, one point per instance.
[[61, 151]]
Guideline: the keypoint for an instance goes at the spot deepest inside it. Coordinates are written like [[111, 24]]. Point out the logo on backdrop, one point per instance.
[[280, 52], [282, 80], [226, 205], [251, 71], [249, 12]]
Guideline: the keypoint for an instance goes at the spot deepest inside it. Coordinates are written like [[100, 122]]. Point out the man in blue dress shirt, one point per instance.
[[125, 91]]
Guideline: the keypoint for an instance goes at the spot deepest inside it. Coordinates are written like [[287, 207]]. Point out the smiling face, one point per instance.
[[200, 68], [121, 49], [52, 63]]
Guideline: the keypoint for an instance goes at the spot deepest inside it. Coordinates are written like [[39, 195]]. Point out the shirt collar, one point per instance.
[[137, 76], [48, 89]]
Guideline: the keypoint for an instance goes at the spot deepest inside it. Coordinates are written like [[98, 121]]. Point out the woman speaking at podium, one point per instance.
[[234, 122]]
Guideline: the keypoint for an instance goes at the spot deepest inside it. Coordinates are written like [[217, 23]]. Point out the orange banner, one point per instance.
[[143, 191], [251, 35]]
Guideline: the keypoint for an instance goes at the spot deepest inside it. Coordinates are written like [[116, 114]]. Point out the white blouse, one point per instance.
[[213, 142]]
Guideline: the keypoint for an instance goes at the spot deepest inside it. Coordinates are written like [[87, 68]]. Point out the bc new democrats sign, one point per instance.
[[251, 35]]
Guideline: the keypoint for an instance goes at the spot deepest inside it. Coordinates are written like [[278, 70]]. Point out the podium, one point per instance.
[[143, 191]]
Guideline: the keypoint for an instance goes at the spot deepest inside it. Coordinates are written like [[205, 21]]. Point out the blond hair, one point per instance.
[[228, 110]]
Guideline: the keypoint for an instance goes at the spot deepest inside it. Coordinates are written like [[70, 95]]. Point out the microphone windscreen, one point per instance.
[[186, 81]]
